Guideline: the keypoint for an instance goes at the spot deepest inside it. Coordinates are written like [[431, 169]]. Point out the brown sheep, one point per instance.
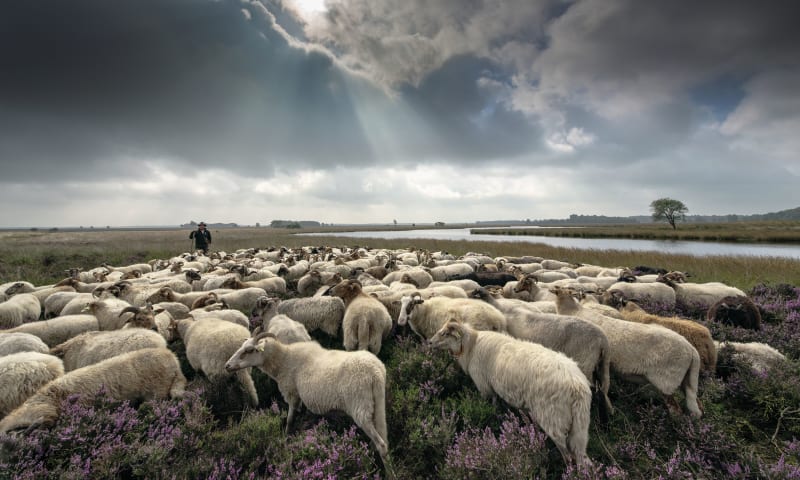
[[736, 311]]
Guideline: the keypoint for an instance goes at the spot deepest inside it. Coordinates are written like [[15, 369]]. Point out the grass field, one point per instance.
[[439, 425], [742, 232], [42, 256]]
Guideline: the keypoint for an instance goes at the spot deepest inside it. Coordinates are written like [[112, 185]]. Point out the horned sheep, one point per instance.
[[703, 295], [366, 321], [639, 292], [547, 384], [322, 380], [426, 317], [736, 311], [311, 281], [151, 373], [22, 374]]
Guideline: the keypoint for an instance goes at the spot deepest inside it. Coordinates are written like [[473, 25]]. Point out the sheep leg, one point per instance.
[[294, 404], [672, 405], [247, 383], [372, 433]]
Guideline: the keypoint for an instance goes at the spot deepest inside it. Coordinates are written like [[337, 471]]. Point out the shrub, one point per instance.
[[518, 450]]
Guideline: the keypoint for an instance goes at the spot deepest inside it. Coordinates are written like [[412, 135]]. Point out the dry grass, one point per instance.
[[42, 256], [745, 232]]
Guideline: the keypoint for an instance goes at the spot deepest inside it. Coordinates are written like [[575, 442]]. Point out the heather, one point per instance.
[[439, 425]]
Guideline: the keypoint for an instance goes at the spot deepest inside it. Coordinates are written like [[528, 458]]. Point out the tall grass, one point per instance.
[[42, 257], [744, 232]]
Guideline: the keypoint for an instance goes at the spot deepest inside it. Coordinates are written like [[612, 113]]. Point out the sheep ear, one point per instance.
[[260, 347]]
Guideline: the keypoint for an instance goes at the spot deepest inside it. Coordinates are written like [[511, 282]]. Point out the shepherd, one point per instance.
[[202, 237]]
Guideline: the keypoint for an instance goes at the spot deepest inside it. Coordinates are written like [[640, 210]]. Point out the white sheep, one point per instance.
[[547, 384], [581, 341], [22, 374], [56, 302], [366, 321], [93, 347], [152, 373], [322, 380], [19, 309], [311, 281], [640, 293], [59, 329], [315, 313], [760, 356], [426, 317], [660, 356], [275, 285], [700, 295], [166, 294], [419, 275], [287, 330], [209, 343], [442, 273], [217, 311], [21, 342], [466, 284]]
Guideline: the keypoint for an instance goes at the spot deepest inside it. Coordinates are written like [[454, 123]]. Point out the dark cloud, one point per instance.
[[89, 81]]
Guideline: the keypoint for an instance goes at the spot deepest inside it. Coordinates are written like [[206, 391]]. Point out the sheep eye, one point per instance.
[[248, 350]]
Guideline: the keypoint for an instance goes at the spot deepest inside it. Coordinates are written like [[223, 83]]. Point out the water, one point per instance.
[[700, 249]]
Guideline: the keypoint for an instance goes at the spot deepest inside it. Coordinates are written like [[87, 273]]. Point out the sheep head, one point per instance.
[[142, 317], [346, 290], [407, 304], [406, 278], [192, 275], [264, 308], [453, 336], [253, 352], [205, 300]]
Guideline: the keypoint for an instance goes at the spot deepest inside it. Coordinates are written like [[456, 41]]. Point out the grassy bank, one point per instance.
[[741, 232], [42, 257]]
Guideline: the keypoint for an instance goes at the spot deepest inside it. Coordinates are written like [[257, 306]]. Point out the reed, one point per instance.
[[42, 256], [740, 232]]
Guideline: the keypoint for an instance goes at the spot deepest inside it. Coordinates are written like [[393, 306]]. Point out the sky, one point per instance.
[[159, 112]]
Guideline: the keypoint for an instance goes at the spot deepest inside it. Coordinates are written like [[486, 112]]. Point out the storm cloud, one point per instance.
[[451, 110]]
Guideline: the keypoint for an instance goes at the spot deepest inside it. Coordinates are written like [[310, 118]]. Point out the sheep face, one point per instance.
[[407, 304], [252, 352], [346, 290], [450, 337], [142, 317]]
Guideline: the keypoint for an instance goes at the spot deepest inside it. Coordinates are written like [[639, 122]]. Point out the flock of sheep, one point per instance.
[[541, 334]]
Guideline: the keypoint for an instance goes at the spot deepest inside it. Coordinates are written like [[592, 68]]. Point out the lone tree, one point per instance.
[[668, 209]]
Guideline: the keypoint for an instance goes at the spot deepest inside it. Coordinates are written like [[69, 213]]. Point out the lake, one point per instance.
[[664, 246]]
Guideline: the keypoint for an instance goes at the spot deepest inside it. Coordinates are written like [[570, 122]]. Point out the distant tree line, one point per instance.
[[293, 223]]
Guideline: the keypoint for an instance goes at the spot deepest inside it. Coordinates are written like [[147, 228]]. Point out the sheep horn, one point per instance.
[[133, 310]]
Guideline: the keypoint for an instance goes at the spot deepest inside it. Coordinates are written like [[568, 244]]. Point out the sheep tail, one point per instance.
[[379, 397], [578, 436], [603, 382], [709, 354], [690, 381]]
